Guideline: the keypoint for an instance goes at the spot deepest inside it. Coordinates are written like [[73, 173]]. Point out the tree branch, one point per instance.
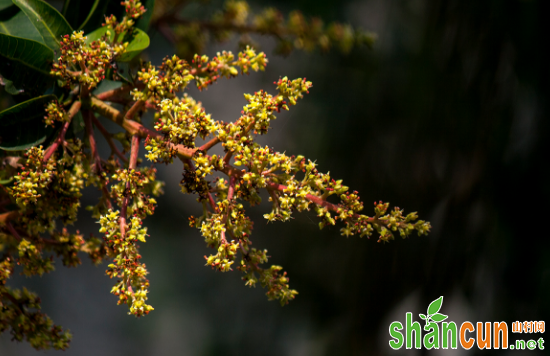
[[213, 142], [185, 153], [135, 128], [113, 94]]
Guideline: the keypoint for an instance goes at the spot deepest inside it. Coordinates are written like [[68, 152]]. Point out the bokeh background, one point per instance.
[[447, 116]]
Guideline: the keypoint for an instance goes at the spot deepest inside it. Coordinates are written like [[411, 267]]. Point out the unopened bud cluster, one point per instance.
[[294, 32]]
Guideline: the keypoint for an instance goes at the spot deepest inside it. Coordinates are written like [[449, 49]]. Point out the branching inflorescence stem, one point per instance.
[[48, 186]]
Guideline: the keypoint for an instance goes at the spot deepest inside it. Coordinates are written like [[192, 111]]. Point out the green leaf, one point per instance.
[[96, 16], [15, 23], [48, 21], [143, 22], [97, 34], [439, 317], [435, 306], [26, 63], [22, 126], [76, 11], [4, 4], [138, 41], [422, 316]]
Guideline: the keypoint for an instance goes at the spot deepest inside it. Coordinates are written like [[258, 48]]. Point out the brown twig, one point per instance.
[[134, 110], [213, 142], [111, 95]]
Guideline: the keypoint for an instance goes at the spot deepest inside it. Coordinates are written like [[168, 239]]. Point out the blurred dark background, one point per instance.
[[446, 116]]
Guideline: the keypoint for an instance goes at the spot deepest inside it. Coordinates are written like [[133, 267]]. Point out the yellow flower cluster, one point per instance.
[[132, 285], [34, 178], [93, 59], [55, 112]]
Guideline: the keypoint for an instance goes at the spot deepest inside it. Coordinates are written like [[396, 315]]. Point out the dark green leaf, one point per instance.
[[138, 41], [15, 23], [26, 63], [96, 16], [143, 22], [22, 125], [97, 12], [439, 317], [76, 11], [435, 306], [48, 21], [4, 4]]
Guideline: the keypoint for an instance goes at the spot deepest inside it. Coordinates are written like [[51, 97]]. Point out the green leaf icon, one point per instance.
[[439, 317], [435, 306], [422, 316]]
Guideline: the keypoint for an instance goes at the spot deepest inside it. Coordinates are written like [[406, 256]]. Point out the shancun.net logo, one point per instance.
[[442, 334]]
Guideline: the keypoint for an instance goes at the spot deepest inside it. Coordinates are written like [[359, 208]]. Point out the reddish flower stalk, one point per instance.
[[132, 165], [135, 128], [88, 115], [231, 189], [116, 94], [134, 110], [91, 139], [213, 142], [10, 215], [185, 153], [13, 231], [72, 112]]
